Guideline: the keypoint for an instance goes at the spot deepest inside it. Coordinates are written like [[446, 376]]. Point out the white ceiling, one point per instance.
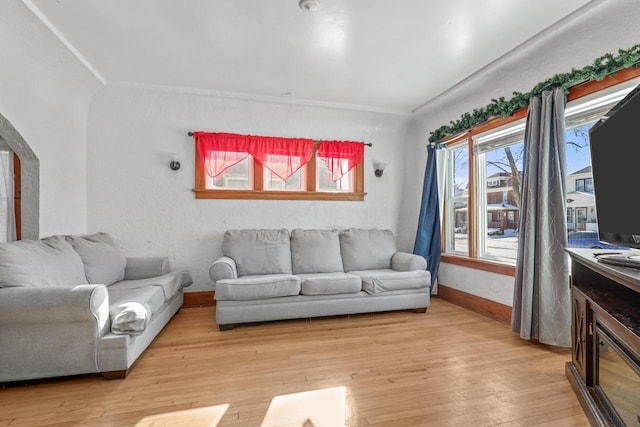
[[376, 55]]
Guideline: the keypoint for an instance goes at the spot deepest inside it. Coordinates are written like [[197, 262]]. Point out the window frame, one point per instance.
[[471, 260], [584, 181], [483, 143], [450, 217], [260, 193]]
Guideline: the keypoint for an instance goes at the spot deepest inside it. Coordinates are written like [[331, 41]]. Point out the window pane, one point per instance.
[[296, 182], [499, 200], [324, 180], [457, 200], [237, 177], [588, 185], [582, 227]]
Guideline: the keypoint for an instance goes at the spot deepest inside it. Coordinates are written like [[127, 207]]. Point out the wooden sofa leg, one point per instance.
[[421, 310], [226, 327], [115, 375]]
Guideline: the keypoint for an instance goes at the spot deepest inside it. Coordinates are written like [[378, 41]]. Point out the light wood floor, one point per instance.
[[447, 367]]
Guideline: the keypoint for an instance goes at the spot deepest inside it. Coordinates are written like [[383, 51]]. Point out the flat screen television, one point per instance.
[[615, 162]]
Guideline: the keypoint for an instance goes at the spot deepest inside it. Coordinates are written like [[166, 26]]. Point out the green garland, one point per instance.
[[598, 70]]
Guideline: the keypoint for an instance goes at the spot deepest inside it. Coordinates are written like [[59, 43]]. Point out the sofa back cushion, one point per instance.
[[46, 262], [258, 251], [104, 263], [367, 249], [315, 251]]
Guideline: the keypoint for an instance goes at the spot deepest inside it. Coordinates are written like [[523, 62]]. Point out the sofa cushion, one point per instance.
[[46, 262], [366, 249], [315, 251], [169, 284], [150, 296], [376, 281], [103, 261], [258, 252], [257, 287], [329, 283]]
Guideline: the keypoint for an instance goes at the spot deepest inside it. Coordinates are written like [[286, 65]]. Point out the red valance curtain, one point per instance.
[[282, 156], [340, 156]]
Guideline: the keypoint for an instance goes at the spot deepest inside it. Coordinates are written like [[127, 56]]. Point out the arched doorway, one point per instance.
[[29, 184]]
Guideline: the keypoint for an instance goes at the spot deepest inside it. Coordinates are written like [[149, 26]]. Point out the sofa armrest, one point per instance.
[[223, 268], [21, 305], [146, 267], [404, 261], [51, 331]]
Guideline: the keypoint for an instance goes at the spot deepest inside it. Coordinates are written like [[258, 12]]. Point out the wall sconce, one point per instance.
[[309, 5], [174, 165], [379, 168]]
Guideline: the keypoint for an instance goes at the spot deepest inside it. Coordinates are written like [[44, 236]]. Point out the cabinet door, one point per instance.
[[581, 323]]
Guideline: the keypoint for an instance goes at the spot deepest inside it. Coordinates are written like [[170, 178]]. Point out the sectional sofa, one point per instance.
[[280, 274], [76, 305]]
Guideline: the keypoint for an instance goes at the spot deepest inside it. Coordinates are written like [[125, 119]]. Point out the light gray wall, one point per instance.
[[44, 95], [132, 133], [603, 27]]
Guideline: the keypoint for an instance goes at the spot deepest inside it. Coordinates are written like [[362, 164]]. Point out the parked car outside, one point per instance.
[[588, 239]]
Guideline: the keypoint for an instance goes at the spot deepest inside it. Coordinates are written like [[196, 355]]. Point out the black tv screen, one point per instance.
[[615, 162]]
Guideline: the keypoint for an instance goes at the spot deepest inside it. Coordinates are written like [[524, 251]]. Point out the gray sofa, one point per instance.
[[281, 274], [76, 305]]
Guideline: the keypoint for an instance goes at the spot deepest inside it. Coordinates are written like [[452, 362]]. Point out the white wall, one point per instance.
[[604, 27], [45, 93], [152, 210], [494, 287]]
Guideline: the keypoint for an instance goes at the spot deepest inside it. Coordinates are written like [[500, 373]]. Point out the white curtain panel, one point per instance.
[[442, 155], [7, 213], [442, 160], [542, 300]]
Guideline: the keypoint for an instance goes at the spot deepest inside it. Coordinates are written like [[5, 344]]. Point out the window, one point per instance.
[[251, 179], [296, 182], [325, 182], [457, 201], [570, 224], [485, 172], [499, 157], [236, 177], [7, 197], [585, 185]]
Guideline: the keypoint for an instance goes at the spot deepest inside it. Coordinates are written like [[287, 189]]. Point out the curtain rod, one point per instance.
[[370, 144]]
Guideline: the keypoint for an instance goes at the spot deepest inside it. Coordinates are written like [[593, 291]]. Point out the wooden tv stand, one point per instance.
[[605, 332]]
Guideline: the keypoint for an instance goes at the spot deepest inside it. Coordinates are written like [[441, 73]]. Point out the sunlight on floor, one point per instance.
[[317, 408], [208, 416]]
